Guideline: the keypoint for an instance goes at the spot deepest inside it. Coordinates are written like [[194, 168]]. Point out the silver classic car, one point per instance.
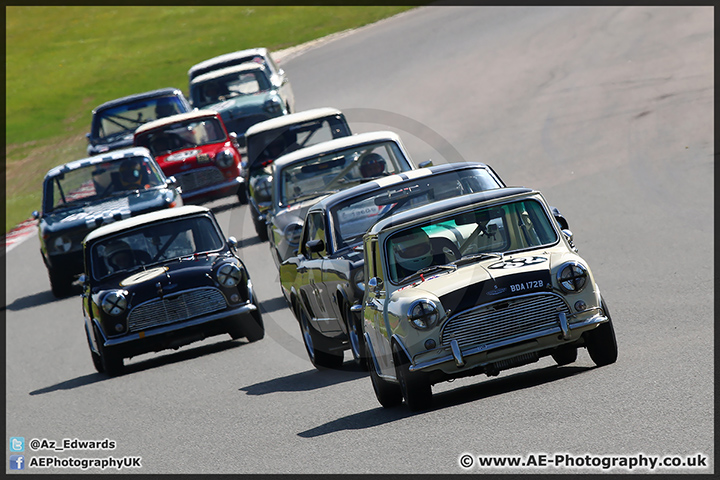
[[303, 177], [507, 289]]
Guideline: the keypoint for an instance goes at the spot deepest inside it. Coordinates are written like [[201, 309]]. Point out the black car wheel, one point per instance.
[[565, 355], [242, 195], [388, 394], [60, 283], [415, 387], [254, 327], [112, 363], [601, 343], [260, 229], [355, 336], [97, 361], [319, 358]]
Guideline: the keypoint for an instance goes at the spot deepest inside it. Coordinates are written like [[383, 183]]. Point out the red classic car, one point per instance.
[[196, 148]]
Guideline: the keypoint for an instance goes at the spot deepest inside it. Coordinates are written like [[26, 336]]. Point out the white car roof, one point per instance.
[[334, 145], [229, 56], [103, 157], [249, 66], [180, 117], [292, 118], [143, 219]]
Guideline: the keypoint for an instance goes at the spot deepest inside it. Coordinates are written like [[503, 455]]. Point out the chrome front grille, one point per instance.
[[504, 320], [200, 178], [189, 304]]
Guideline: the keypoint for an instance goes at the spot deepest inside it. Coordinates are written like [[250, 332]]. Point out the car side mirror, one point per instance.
[[171, 181], [36, 215], [87, 135], [232, 242], [315, 246], [428, 163], [238, 140], [83, 279], [375, 284]]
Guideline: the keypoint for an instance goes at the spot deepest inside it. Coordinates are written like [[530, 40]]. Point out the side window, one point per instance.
[[314, 230]]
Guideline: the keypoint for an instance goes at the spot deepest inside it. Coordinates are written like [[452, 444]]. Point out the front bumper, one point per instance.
[[212, 192], [180, 333], [454, 361]]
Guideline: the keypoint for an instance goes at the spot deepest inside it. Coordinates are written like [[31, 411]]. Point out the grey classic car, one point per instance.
[[507, 289], [163, 280], [85, 194], [268, 140], [114, 122], [243, 95], [324, 284]]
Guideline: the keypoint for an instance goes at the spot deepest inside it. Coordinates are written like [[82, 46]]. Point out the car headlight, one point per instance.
[[273, 105], [229, 275], [224, 158], [292, 233], [114, 302], [263, 189], [358, 279], [572, 277], [423, 314], [62, 244]]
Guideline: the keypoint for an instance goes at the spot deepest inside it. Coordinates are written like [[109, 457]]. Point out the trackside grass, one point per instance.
[[63, 61]]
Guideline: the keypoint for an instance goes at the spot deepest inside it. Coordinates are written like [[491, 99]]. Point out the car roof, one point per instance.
[[243, 67], [419, 213], [393, 180], [292, 118], [228, 56], [180, 117], [144, 219], [162, 92], [334, 145], [102, 158]]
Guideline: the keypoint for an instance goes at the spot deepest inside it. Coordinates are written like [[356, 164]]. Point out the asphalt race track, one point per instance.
[[607, 110]]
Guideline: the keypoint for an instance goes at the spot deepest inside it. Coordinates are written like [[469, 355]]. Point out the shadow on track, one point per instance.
[[154, 362], [307, 381], [470, 393]]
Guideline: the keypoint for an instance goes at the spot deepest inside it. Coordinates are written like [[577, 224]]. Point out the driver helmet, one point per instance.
[[413, 251], [119, 255], [131, 173], [372, 165], [164, 109]]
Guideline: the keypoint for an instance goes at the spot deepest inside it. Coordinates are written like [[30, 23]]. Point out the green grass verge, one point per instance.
[[61, 62]]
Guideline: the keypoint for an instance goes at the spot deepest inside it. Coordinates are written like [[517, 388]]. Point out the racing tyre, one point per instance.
[[60, 284], [260, 229], [388, 394], [242, 195], [97, 361], [565, 355], [254, 327], [312, 341], [601, 343], [415, 386], [356, 339], [112, 363]]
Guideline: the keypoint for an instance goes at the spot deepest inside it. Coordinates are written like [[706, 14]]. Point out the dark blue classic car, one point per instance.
[[163, 280], [114, 122], [85, 194]]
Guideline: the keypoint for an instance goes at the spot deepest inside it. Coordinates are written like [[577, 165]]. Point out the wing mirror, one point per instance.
[[232, 242], [315, 246], [428, 163], [375, 284]]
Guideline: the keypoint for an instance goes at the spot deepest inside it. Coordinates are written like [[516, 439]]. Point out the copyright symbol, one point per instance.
[[466, 460], [34, 444]]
